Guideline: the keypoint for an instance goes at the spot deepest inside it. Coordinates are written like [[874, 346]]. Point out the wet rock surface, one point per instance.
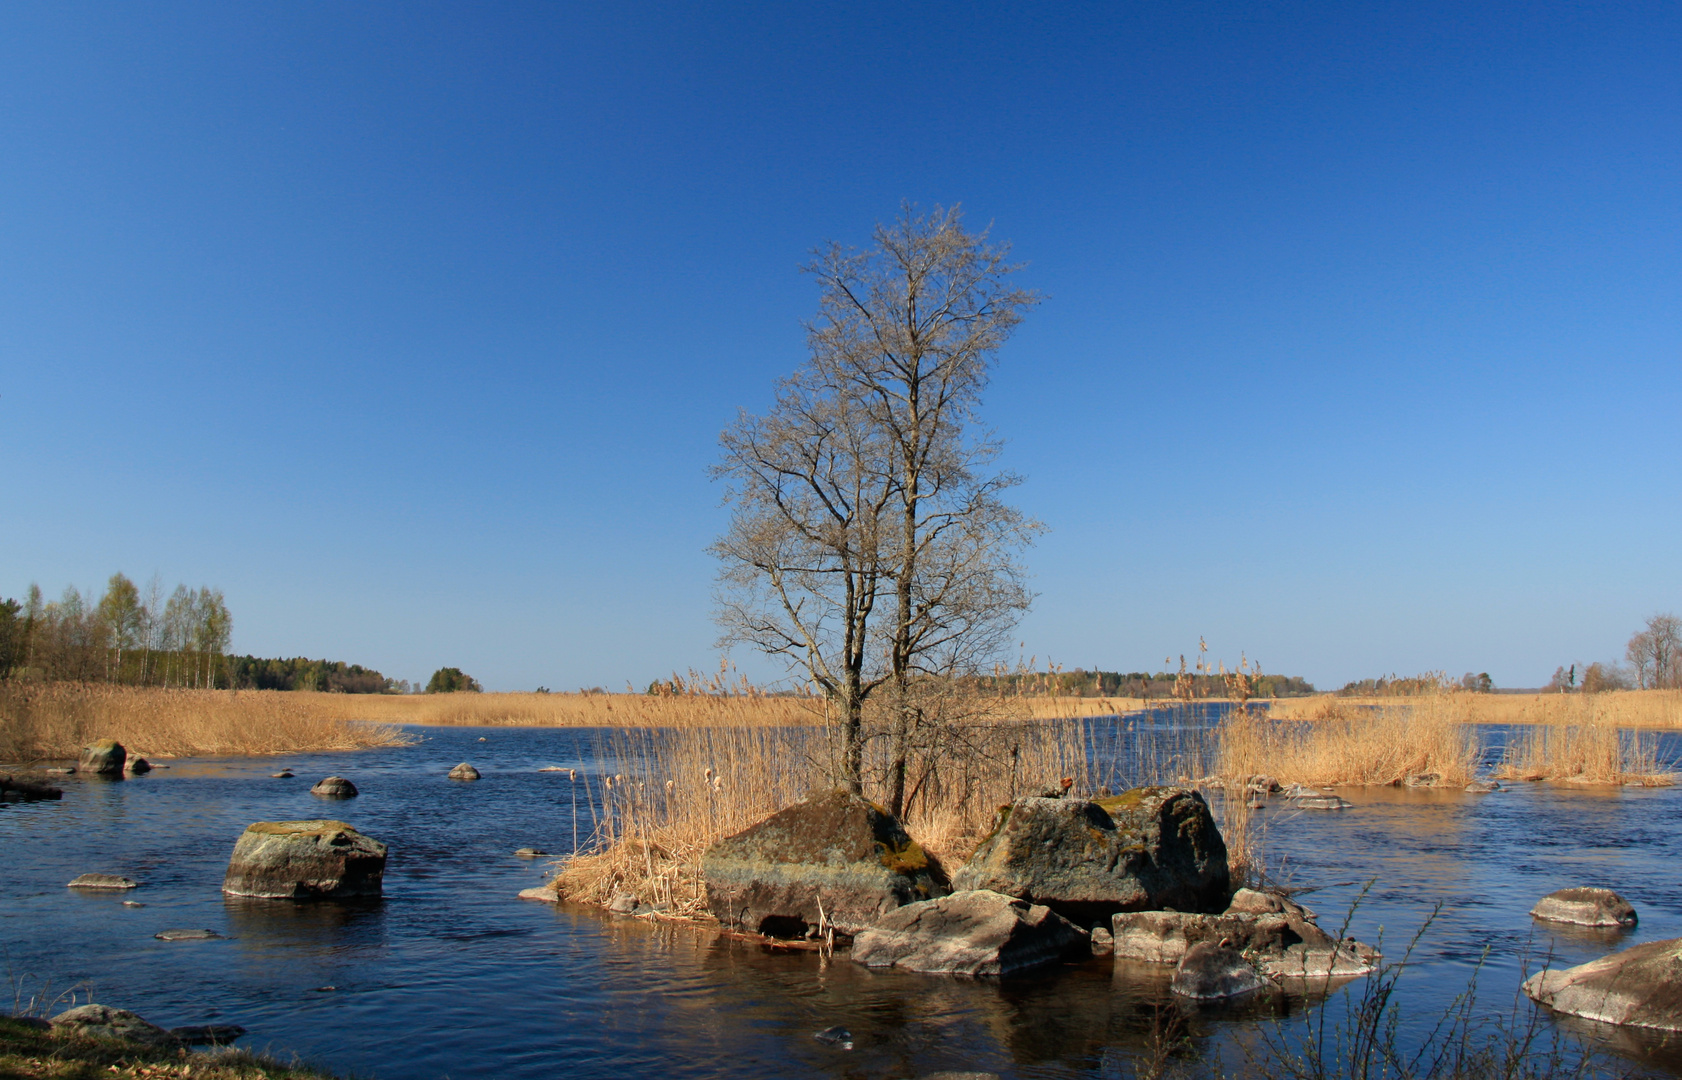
[[305, 860], [833, 858], [969, 933], [1585, 907], [102, 881], [1211, 972], [1148, 848], [464, 771], [1278, 936], [334, 787], [1637, 987], [14, 789]]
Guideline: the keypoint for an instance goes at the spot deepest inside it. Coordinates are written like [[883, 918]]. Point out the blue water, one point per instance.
[[451, 976]]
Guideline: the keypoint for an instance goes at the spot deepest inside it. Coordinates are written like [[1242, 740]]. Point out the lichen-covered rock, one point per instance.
[[969, 933], [1638, 987], [1211, 972], [302, 860], [833, 858], [103, 757], [464, 771], [334, 787], [102, 881], [104, 1022], [1147, 848], [1585, 907]]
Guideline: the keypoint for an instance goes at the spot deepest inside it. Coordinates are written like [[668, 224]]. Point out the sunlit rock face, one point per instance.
[[305, 860], [1145, 849], [833, 859], [970, 933]]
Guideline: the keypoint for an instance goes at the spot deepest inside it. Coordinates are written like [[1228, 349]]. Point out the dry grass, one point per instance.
[[607, 710], [1635, 708], [56, 720], [670, 793], [1590, 739], [1338, 743]]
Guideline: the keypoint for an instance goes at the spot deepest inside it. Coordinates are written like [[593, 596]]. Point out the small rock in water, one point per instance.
[[464, 771], [1424, 779], [325, 989], [1103, 942], [838, 1037], [137, 765], [284, 774], [187, 935], [103, 757], [207, 1034], [622, 904], [133, 903], [1210, 972], [334, 787], [58, 771], [553, 768], [1323, 802], [103, 881], [530, 853], [545, 893], [481, 738], [1482, 787], [1585, 907]]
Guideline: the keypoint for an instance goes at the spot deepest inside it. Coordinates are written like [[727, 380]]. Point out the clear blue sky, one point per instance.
[[413, 327]]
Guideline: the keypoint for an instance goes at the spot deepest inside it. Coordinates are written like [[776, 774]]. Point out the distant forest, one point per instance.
[[1139, 684], [136, 637]]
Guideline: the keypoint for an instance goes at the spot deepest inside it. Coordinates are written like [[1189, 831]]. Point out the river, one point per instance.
[[451, 976]]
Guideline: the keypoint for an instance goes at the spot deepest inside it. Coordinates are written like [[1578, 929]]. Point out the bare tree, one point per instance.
[[911, 328], [1656, 653], [871, 479]]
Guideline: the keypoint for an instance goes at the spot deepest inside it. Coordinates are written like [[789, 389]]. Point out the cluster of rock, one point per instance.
[[1143, 874], [13, 789], [1637, 987]]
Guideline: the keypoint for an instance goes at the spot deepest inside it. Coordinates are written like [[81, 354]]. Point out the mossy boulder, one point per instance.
[[305, 860], [1148, 848], [103, 757], [832, 859]]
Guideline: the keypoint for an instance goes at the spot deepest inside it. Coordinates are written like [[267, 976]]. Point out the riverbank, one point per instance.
[[30, 1052], [55, 720]]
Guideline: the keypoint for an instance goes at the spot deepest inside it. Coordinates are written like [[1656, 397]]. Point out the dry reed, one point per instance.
[[1347, 744], [668, 794], [55, 720], [1589, 739], [1635, 708]]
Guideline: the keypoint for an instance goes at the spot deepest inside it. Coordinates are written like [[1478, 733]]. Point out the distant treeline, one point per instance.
[[1433, 682], [1139, 684], [138, 637]]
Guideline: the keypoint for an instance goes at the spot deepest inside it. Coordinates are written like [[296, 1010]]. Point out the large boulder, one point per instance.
[[1279, 937], [104, 1022], [833, 858], [1639, 987], [1148, 848], [1585, 907], [304, 860], [969, 933], [103, 757]]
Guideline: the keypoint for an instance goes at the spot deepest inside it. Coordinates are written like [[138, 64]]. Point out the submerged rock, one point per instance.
[[1585, 907], [14, 790], [529, 853], [1147, 848], [104, 757], [464, 771], [1426, 779], [104, 1022], [1211, 972], [1639, 987], [546, 893], [1322, 802], [835, 1036], [102, 881], [833, 858], [334, 787], [286, 774], [206, 1034], [1482, 787], [969, 933], [304, 860], [187, 935]]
